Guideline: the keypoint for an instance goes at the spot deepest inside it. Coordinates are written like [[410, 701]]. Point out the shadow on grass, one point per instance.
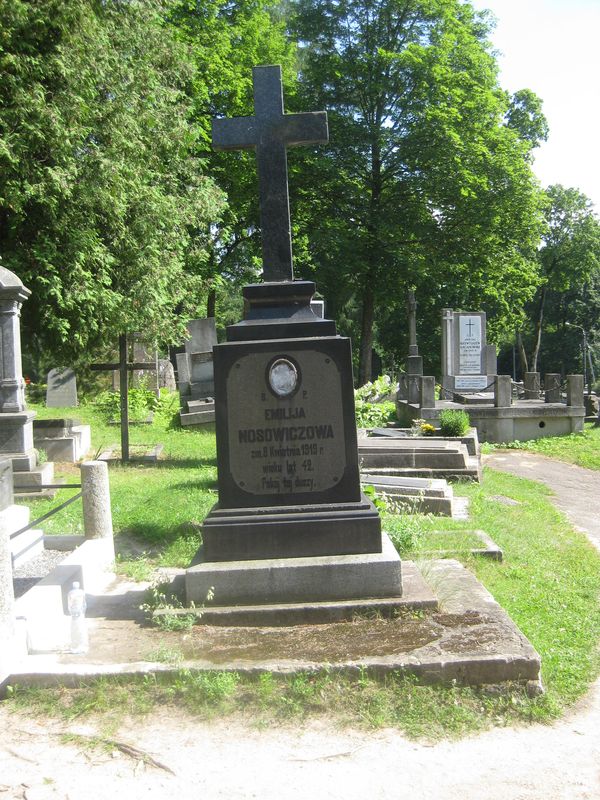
[[200, 484], [151, 538], [185, 463]]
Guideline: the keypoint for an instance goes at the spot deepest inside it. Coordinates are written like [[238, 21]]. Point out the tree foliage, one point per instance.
[[226, 40], [104, 214], [569, 262], [426, 182]]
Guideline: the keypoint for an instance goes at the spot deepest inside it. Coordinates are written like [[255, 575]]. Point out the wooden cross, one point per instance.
[[124, 367], [270, 131]]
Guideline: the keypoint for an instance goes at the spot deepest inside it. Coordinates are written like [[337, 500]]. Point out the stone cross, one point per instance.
[[270, 132]]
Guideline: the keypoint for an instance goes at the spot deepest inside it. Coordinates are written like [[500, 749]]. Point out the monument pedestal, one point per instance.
[[296, 580]]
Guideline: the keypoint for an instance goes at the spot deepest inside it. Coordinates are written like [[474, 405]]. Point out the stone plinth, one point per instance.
[[317, 579]]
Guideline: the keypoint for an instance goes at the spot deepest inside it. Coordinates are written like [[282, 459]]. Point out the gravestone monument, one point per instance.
[[468, 362], [291, 523], [408, 384], [61, 391], [195, 373]]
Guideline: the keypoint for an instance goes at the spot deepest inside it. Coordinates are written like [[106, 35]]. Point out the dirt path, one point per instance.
[[233, 760]]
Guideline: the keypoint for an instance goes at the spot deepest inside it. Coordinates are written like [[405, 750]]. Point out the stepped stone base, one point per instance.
[[419, 495], [62, 440], [294, 580], [200, 412], [418, 458], [280, 532], [32, 482]]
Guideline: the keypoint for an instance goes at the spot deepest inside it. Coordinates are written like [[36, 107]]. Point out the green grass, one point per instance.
[[582, 448], [549, 583], [159, 506]]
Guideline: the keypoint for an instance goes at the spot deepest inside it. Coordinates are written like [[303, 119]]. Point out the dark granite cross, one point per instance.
[[270, 132]]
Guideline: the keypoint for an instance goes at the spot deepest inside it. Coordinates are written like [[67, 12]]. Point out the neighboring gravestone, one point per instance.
[[408, 383], [61, 391], [289, 490], [16, 423], [468, 362], [166, 375], [195, 373]]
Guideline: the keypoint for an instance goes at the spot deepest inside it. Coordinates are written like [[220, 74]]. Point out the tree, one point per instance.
[[426, 182], [104, 213], [568, 260]]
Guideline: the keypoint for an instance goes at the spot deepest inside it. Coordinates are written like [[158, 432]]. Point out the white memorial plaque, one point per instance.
[[472, 383], [469, 345]]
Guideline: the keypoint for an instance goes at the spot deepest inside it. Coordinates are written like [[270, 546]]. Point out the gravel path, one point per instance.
[[231, 759], [32, 571]]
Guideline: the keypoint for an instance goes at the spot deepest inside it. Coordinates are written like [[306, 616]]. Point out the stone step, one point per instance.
[[66, 449], [415, 495], [429, 487], [469, 472], [33, 480], [386, 459], [197, 418], [205, 404], [411, 444]]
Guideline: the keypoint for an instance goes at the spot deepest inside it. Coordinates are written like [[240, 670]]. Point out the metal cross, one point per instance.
[[270, 131]]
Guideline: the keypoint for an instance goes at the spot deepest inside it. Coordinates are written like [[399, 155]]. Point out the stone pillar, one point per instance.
[[402, 393], [552, 387], [12, 385], [414, 388], [502, 391], [16, 423], [411, 307], [97, 515], [575, 390], [490, 359], [447, 340], [531, 382], [426, 391]]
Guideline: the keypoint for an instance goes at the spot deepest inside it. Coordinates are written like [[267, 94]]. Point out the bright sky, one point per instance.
[[553, 48]]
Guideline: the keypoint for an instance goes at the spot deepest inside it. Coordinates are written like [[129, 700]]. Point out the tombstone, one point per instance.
[[145, 352], [468, 362], [195, 373], [61, 391], [408, 384], [290, 500], [166, 375], [16, 423]]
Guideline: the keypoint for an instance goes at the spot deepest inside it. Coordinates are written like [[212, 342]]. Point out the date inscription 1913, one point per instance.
[[289, 444]]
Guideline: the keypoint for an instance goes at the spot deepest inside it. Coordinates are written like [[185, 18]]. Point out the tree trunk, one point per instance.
[[211, 303], [538, 330], [366, 335], [522, 354]]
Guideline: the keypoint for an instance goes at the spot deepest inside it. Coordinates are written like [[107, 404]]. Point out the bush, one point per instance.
[[454, 422], [374, 415]]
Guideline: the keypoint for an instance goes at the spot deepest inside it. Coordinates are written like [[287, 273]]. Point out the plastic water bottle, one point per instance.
[[77, 605]]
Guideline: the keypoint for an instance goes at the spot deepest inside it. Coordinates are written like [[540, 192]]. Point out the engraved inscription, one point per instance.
[[469, 345], [290, 444]]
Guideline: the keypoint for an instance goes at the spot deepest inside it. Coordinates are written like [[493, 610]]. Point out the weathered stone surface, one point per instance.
[[62, 388], [97, 515], [337, 577]]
